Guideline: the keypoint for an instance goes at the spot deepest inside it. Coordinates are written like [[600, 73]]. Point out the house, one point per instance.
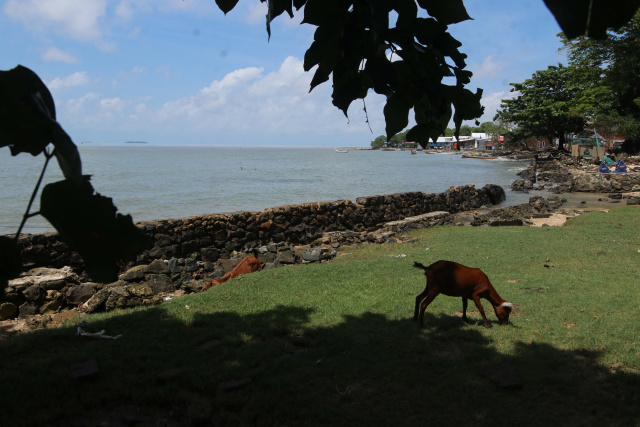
[[588, 144]]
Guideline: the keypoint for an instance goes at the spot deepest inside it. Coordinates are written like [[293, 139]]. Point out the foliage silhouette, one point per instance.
[[356, 45], [89, 221]]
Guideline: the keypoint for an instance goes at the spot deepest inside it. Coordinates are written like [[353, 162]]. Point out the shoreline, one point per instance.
[[131, 292]]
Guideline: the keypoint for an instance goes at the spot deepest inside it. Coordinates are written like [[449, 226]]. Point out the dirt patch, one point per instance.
[[553, 220]]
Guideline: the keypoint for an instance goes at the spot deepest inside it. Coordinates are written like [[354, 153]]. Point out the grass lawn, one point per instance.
[[335, 343]]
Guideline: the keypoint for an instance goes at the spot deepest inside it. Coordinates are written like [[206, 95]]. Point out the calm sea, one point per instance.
[[151, 182]]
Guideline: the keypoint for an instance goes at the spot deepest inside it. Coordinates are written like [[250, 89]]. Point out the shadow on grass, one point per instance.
[[271, 368]]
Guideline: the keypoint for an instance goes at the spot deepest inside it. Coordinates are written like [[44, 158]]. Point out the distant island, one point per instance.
[[136, 142]]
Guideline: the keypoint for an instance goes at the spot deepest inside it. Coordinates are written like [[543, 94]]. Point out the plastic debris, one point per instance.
[[81, 332]]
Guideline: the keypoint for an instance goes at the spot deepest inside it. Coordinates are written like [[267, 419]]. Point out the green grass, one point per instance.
[[335, 344]]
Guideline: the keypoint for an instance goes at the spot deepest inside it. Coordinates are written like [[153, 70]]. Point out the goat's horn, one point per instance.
[[508, 304]]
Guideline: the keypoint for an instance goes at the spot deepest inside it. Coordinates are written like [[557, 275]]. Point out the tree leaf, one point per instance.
[[226, 5], [27, 112], [90, 224], [10, 259], [275, 9], [573, 15], [446, 11], [27, 120], [407, 14], [299, 3], [317, 12], [396, 114]]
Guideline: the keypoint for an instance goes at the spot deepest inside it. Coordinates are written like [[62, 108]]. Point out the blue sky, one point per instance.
[[180, 72]]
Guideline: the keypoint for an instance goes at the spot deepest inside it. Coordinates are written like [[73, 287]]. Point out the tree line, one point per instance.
[[599, 89], [494, 128]]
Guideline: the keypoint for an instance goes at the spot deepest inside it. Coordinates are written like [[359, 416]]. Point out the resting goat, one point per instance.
[[247, 265], [456, 280]]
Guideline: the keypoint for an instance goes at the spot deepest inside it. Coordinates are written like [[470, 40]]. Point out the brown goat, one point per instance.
[[456, 280], [247, 265]]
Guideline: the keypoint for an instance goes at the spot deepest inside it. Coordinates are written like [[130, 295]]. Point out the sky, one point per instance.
[[180, 72]]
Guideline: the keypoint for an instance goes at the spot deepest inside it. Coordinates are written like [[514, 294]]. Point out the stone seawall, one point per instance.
[[215, 236], [185, 253]]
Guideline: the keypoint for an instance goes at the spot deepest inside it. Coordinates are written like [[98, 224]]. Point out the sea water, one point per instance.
[[160, 182]]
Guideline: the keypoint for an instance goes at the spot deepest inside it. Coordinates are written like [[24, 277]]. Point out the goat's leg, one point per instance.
[[430, 297], [419, 299], [464, 309], [476, 299]]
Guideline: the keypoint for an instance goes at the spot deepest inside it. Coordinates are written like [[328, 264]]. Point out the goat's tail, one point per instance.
[[416, 264]]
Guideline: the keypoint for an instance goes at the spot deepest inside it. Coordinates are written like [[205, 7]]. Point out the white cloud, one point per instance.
[[492, 101], [489, 68], [246, 102], [77, 19], [79, 78], [77, 108], [57, 55], [256, 14], [124, 10]]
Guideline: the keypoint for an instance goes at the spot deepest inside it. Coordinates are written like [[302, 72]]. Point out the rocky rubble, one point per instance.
[[566, 175], [46, 291], [537, 207]]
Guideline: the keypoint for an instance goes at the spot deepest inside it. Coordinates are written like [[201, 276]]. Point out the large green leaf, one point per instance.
[[396, 114], [27, 112], [226, 5], [28, 120], [318, 12], [591, 17], [90, 224], [10, 259], [446, 11], [275, 9]]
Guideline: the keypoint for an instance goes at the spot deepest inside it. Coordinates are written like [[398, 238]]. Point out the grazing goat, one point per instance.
[[456, 280], [247, 265]]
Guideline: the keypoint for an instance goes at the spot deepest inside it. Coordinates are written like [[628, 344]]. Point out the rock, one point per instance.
[[46, 271], [8, 310], [79, 294], [139, 290], [27, 309], [21, 283], [55, 282], [34, 294], [192, 285], [160, 283], [285, 256], [157, 267], [95, 302], [51, 307], [315, 254], [120, 298], [517, 185], [174, 267], [191, 265], [134, 274]]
